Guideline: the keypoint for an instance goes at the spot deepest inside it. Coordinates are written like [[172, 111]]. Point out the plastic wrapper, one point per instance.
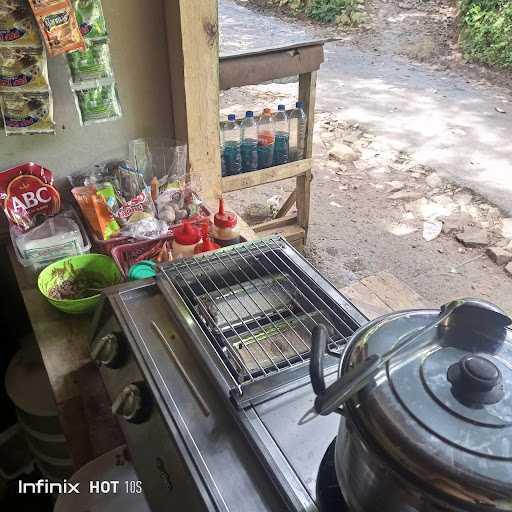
[[59, 27], [91, 21], [92, 64], [27, 113], [96, 211], [146, 229], [98, 103], [27, 195], [23, 69], [17, 25]]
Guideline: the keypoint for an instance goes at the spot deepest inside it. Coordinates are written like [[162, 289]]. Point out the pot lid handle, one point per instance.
[[356, 379]]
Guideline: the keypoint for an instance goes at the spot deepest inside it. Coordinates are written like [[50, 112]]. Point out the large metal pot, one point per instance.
[[429, 428]]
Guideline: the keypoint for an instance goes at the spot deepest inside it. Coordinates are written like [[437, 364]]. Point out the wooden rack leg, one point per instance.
[[307, 94], [287, 205]]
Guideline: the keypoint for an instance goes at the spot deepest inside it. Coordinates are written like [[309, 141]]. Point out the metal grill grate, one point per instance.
[[259, 306]]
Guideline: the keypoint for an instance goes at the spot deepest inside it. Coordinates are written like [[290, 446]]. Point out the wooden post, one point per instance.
[[307, 94], [193, 39]]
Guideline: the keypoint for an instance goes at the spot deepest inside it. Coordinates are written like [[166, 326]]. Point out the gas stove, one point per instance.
[[207, 367]]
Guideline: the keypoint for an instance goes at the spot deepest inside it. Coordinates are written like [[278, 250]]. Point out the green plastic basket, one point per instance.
[[103, 268]]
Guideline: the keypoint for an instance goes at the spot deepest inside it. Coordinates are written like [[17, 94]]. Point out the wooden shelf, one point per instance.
[[286, 226], [270, 175]]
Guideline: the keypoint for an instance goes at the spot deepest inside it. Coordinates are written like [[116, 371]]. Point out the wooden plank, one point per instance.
[[307, 94], [393, 292], [364, 299], [275, 223], [270, 175], [292, 233], [287, 205], [193, 41], [264, 66]]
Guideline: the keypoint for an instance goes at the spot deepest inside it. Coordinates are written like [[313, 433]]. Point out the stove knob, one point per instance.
[[133, 403], [108, 350]]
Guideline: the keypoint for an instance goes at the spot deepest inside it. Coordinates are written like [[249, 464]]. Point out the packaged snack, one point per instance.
[[27, 195], [91, 21], [39, 5], [96, 211], [23, 69], [59, 27], [17, 25], [138, 208], [98, 103], [92, 64], [27, 113]]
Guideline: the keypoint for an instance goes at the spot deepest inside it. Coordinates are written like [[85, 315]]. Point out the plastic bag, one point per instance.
[[23, 69], [92, 64], [98, 103], [145, 229], [58, 26], [91, 20], [17, 25], [27, 113]]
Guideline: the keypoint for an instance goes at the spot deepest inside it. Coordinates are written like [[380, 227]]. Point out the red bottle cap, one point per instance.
[[187, 234], [224, 219], [207, 244]]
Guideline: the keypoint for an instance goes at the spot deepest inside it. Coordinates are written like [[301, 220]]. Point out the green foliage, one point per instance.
[[486, 31], [341, 12]]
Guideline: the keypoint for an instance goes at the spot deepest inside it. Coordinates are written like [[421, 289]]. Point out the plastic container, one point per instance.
[[266, 139], [231, 145], [297, 132], [56, 238], [186, 237], [249, 145], [226, 230], [102, 267], [282, 137]]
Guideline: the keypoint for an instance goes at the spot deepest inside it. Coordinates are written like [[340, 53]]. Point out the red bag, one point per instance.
[[27, 195]]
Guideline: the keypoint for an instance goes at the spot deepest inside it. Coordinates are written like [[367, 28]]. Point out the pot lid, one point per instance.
[[445, 409]]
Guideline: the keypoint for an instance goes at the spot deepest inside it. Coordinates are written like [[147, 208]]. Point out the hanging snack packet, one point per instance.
[[27, 113], [17, 25], [91, 64], [59, 27], [98, 103], [23, 69], [91, 21]]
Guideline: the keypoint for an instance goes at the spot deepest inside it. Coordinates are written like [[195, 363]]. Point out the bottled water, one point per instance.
[[266, 139], [297, 132], [231, 146], [249, 146], [282, 136]]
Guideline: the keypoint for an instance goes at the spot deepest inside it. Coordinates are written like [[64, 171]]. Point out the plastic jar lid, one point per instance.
[[142, 270]]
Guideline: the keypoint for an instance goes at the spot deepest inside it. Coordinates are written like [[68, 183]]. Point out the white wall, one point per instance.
[[139, 53]]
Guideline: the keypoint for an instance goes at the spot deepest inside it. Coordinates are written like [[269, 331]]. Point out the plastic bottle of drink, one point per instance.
[[231, 142], [266, 138], [249, 146], [297, 132], [282, 136]]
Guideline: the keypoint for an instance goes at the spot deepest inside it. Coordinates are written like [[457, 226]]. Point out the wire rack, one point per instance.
[[259, 306]]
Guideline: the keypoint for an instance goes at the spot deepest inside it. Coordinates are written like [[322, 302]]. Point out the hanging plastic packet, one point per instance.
[[17, 25], [58, 25], [89, 14], [27, 113], [23, 69], [91, 64], [98, 103]]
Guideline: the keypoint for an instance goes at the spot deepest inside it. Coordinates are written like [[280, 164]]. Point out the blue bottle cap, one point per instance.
[[232, 117], [249, 113], [299, 104], [281, 107]]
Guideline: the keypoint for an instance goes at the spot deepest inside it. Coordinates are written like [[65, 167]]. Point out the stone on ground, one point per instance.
[[506, 228], [499, 255], [433, 181], [473, 237], [508, 269], [343, 153], [404, 195], [456, 223]]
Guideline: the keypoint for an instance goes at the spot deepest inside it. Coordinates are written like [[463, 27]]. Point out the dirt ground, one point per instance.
[[373, 206]]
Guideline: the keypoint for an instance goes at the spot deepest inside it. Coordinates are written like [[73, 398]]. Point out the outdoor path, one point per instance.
[[444, 119]]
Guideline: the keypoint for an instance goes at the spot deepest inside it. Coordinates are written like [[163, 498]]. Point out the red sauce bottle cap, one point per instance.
[[207, 244], [224, 219], [187, 234]]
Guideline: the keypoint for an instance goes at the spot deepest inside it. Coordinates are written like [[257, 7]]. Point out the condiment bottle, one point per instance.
[[225, 227], [206, 245], [186, 237]]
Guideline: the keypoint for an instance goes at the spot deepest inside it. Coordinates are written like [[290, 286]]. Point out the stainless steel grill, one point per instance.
[[258, 303]]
